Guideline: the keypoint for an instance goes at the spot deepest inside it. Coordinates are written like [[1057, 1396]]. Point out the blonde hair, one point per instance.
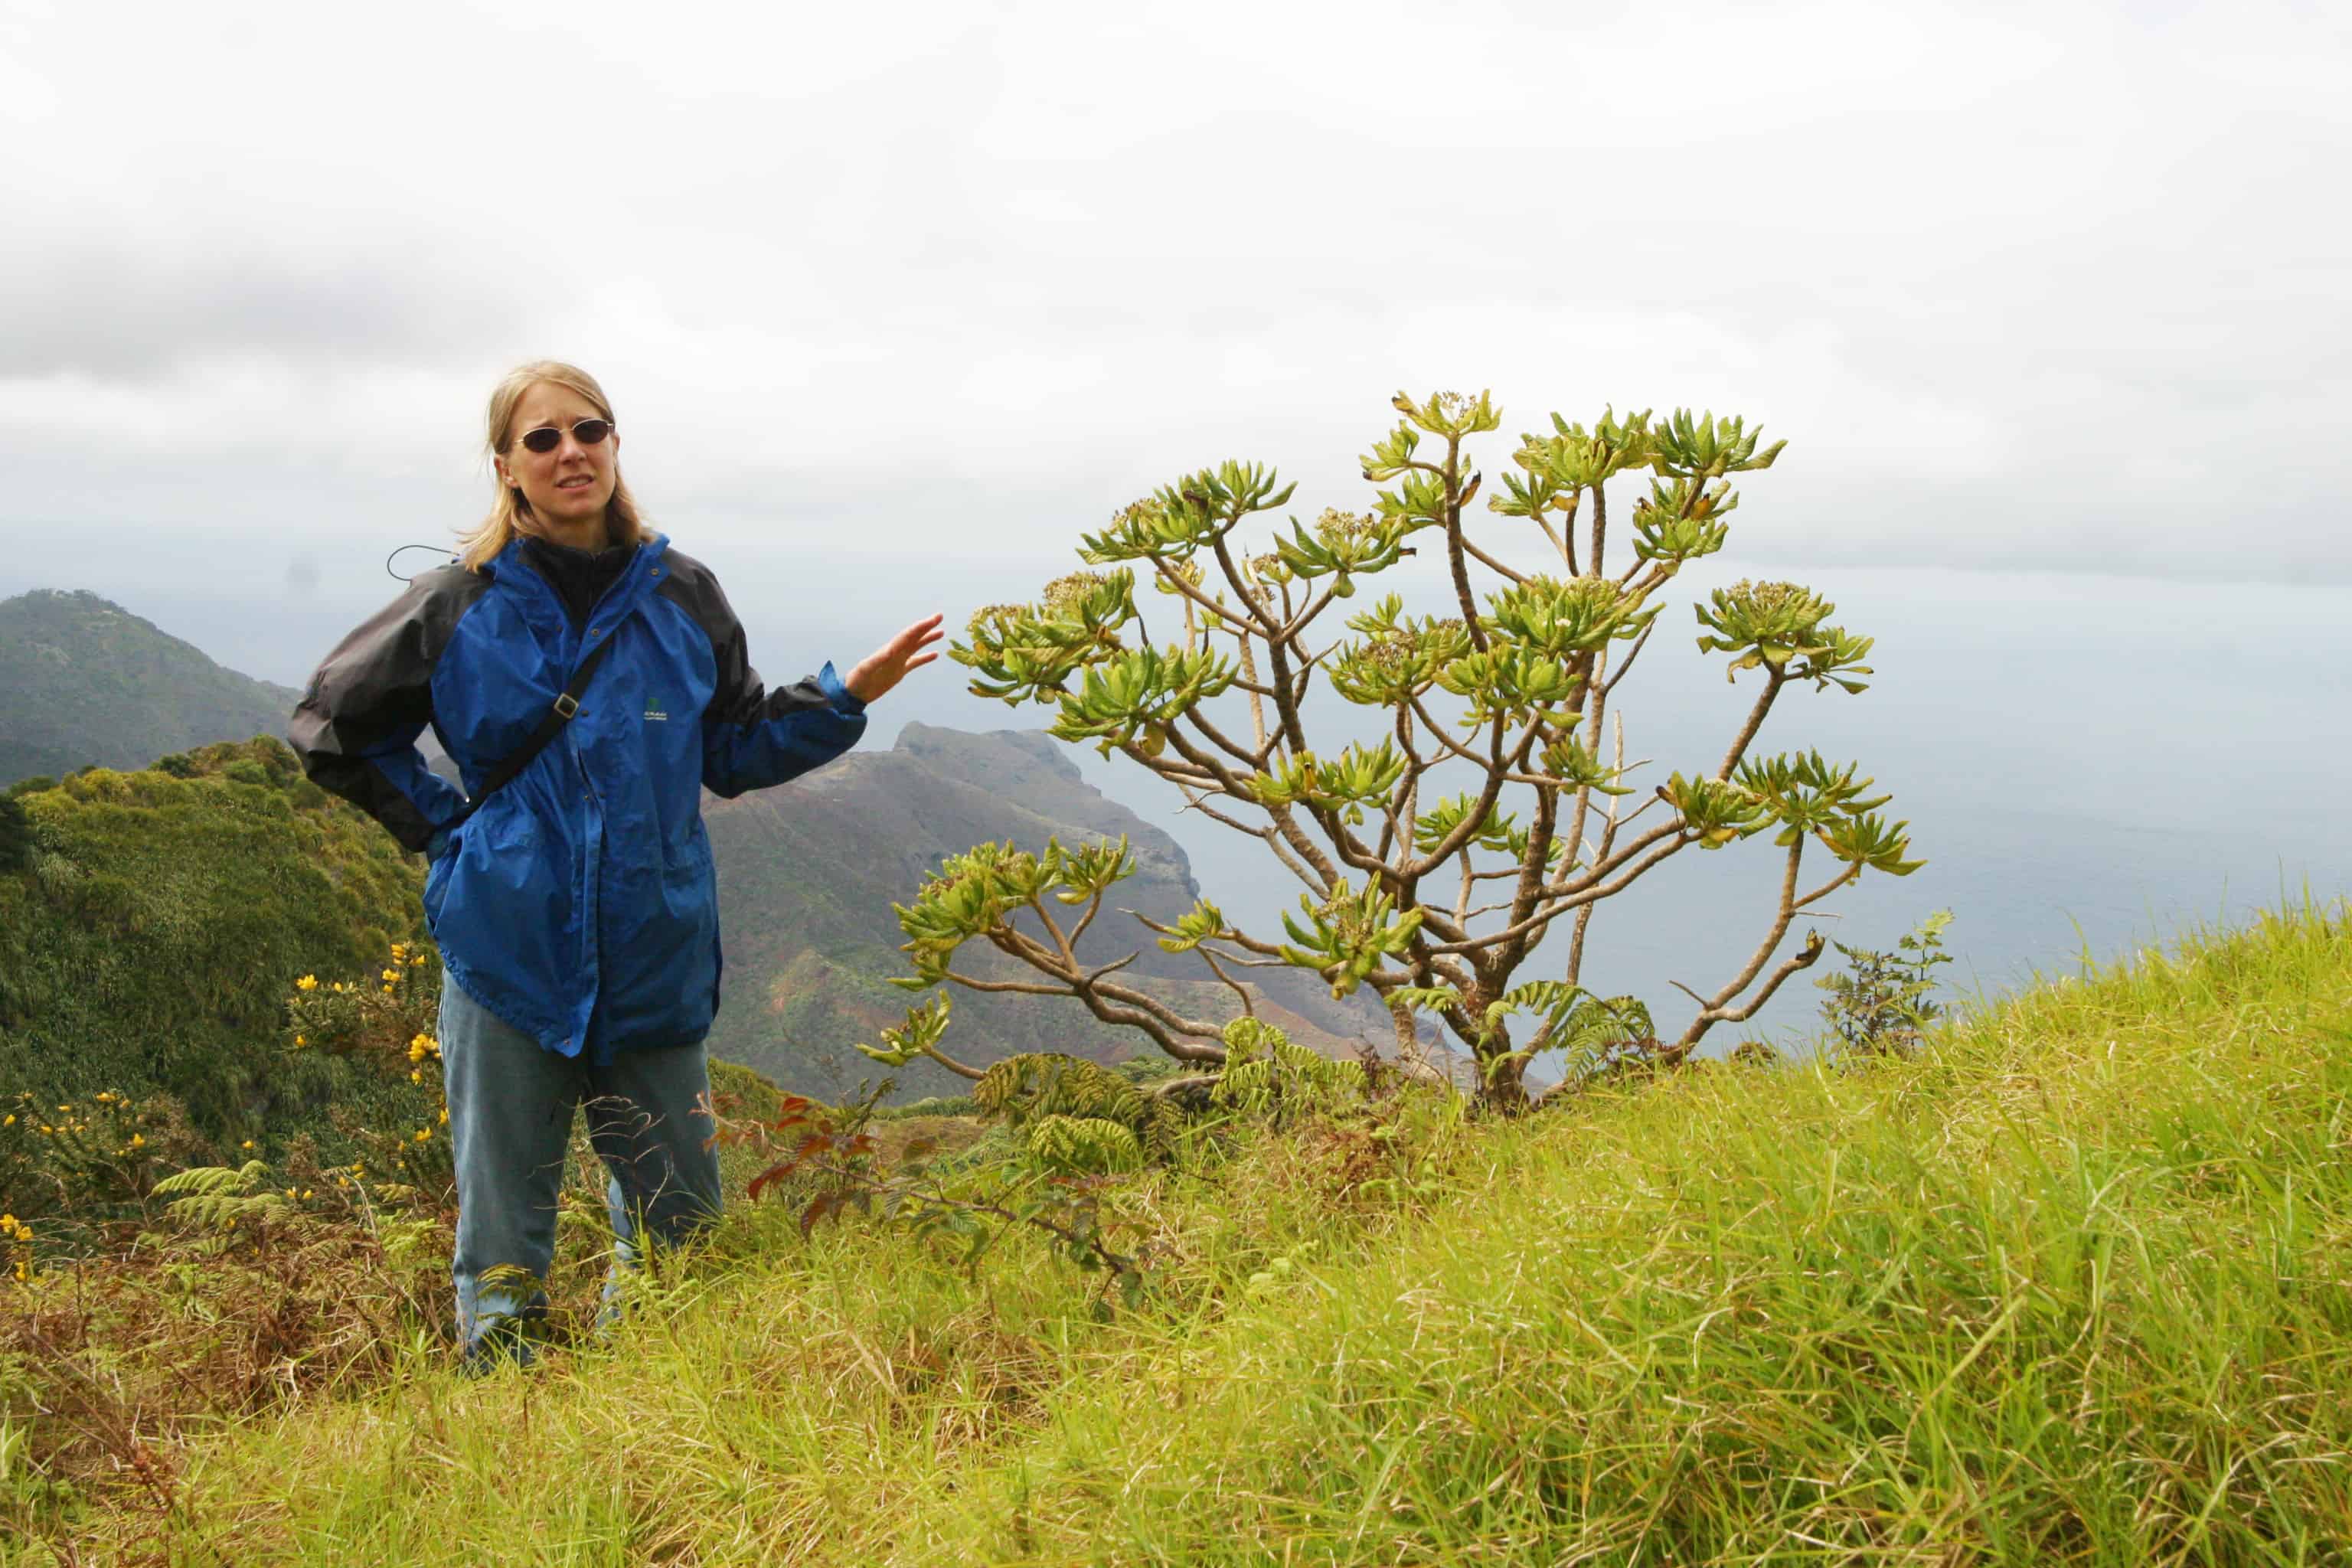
[[509, 513]]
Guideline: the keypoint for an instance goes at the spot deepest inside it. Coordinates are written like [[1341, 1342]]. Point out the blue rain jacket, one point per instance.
[[579, 902]]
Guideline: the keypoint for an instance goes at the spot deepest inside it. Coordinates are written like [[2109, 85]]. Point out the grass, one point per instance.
[[2074, 1286]]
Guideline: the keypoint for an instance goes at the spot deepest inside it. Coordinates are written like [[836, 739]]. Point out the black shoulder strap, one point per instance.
[[548, 728]]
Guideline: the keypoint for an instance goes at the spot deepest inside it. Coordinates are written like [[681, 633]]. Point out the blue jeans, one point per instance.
[[510, 1103]]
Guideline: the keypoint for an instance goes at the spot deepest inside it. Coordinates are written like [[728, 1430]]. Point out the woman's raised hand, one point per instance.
[[886, 665]]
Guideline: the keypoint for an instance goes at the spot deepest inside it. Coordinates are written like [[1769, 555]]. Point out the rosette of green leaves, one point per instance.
[[1555, 469], [1515, 684], [1190, 515], [1028, 653], [1421, 498], [1347, 782], [1132, 697], [1344, 546], [1807, 795], [1200, 922], [917, 1037], [1580, 616], [1498, 832], [974, 892], [1399, 657], [970, 894], [1681, 519], [1716, 811], [1703, 446], [1778, 625], [1345, 937], [1088, 871], [1571, 761]]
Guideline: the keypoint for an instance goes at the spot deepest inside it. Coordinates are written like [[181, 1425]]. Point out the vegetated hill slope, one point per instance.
[[808, 872], [153, 938], [2070, 1286], [83, 680]]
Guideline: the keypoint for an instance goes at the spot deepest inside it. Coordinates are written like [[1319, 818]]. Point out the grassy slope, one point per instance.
[[154, 939], [2076, 1287]]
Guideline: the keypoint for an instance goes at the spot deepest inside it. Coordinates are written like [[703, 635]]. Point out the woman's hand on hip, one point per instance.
[[886, 665]]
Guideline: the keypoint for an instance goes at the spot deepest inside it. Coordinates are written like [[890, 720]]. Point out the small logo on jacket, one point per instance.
[[657, 710]]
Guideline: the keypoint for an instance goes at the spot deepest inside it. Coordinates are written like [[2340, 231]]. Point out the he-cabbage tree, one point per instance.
[[1485, 809]]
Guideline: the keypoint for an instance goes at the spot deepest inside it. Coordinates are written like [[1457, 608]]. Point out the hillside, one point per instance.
[[2068, 1287], [83, 681], [807, 874], [152, 940]]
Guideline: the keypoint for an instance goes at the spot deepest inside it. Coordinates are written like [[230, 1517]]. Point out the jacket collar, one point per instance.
[[512, 565]]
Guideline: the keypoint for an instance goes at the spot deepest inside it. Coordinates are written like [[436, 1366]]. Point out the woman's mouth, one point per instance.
[[579, 483]]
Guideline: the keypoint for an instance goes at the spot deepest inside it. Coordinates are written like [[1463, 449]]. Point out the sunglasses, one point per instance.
[[547, 437]]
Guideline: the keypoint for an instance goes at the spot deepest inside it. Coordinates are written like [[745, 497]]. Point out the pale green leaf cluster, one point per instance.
[[1399, 657], [1345, 937], [1347, 782], [1133, 696], [1801, 795], [977, 892], [917, 1037], [1498, 832], [1197, 925], [1778, 625], [1195, 514], [1028, 653]]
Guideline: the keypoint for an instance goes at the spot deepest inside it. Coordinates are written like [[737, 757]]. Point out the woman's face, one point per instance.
[[572, 484]]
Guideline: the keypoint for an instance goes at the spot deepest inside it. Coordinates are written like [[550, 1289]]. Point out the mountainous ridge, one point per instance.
[[87, 681]]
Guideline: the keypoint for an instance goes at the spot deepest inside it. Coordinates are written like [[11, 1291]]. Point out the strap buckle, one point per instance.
[[566, 705]]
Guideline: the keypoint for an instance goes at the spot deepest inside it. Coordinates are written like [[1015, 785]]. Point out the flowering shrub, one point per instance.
[[385, 1021], [81, 1163]]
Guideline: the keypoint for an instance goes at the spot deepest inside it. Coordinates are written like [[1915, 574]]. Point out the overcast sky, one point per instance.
[[2031, 286]]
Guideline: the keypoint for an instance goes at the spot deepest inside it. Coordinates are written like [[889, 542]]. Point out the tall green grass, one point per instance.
[[2073, 1286]]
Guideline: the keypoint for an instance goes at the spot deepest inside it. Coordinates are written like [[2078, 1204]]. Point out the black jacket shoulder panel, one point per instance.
[[741, 697], [376, 692]]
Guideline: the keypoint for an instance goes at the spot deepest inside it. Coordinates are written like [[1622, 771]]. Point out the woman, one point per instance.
[[574, 901]]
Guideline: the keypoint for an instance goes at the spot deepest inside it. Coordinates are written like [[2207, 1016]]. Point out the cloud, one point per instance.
[[2040, 285]]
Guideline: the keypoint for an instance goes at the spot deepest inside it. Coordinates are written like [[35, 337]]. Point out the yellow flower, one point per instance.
[[308, 982], [423, 1133], [49, 1129], [417, 960], [289, 1192], [301, 1040], [306, 1192], [7, 1222], [445, 1116], [11, 1122], [138, 1140], [390, 974], [416, 1078], [247, 1144], [398, 948]]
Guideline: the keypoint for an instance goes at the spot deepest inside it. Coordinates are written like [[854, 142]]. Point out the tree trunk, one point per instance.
[[1501, 1083]]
